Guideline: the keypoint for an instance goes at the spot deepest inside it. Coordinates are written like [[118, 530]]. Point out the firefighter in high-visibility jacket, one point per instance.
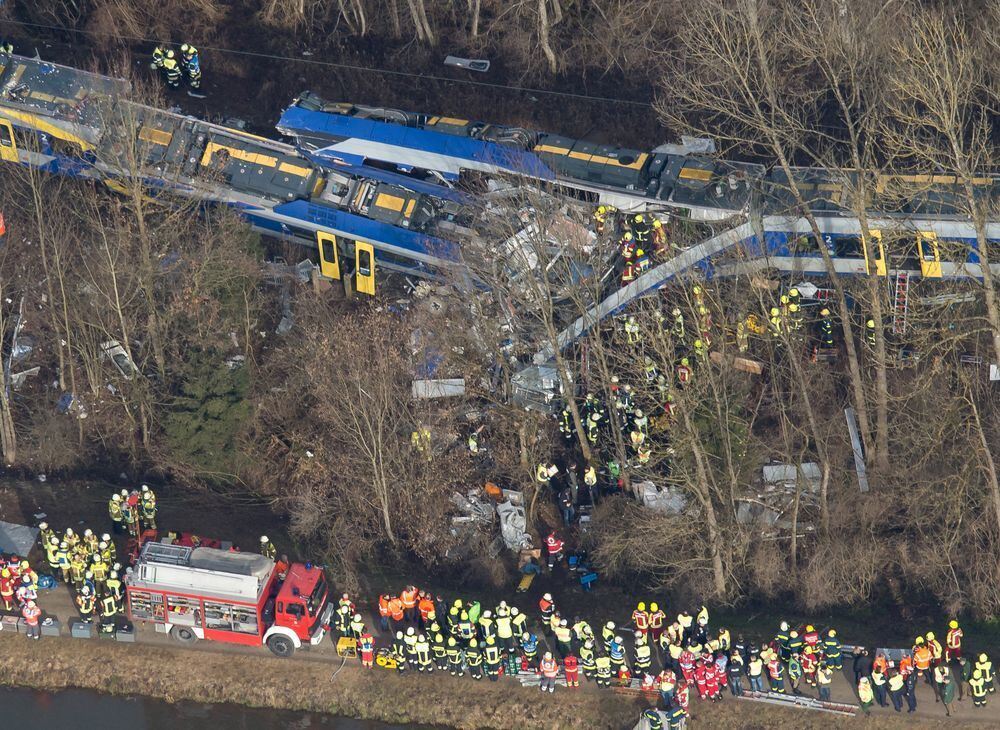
[[831, 650], [115, 513], [455, 657], [474, 659], [399, 652], [978, 685], [51, 550], [171, 70], [109, 610], [529, 648], [422, 651], [603, 671], [439, 651], [85, 604], [643, 653], [100, 570], [937, 652], [588, 659], [825, 329], [114, 587], [77, 570], [984, 665], [492, 656], [953, 642]]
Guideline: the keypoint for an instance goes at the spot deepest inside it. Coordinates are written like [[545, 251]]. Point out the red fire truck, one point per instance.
[[204, 593]]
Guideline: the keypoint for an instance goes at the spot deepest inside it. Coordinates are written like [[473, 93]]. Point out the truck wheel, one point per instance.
[[281, 646], [183, 634]]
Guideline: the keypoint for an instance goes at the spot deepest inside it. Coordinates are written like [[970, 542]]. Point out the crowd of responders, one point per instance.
[[679, 659]]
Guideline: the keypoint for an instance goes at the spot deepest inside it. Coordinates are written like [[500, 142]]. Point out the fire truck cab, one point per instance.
[[220, 595]]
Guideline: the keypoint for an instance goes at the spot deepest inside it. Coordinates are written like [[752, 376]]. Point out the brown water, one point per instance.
[[75, 709]]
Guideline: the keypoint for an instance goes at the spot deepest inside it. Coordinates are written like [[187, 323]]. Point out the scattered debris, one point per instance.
[[661, 499], [445, 388], [113, 350], [469, 64]]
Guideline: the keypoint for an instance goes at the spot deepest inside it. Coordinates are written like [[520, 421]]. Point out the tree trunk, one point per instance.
[[476, 6], [991, 467], [543, 35], [881, 380], [704, 493]]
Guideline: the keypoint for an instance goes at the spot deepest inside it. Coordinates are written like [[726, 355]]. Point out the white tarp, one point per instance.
[[512, 524], [17, 539]]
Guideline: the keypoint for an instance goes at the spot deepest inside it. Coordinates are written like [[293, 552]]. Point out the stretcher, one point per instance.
[[526, 581]]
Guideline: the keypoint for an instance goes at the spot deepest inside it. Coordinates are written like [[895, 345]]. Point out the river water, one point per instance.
[[73, 709]]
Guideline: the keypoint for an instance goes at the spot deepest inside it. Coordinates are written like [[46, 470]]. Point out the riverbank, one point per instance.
[[213, 676]]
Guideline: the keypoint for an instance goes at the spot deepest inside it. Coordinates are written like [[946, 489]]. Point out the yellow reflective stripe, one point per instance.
[[389, 202], [410, 206], [451, 120], [581, 156], [237, 154], [156, 136], [551, 150], [641, 160], [294, 169], [694, 173]]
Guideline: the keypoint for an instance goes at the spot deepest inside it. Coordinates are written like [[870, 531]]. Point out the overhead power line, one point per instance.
[[352, 67]]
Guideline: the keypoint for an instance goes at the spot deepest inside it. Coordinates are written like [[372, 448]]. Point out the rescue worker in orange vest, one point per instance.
[[548, 669], [384, 612], [953, 642], [656, 619], [396, 612], [425, 609], [548, 607], [640, 619], [937, 653], [921, 657], [408, 596]]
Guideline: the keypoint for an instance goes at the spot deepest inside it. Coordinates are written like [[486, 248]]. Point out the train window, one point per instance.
[[848, 247], [6, 137], [805, 244], [364, 263]]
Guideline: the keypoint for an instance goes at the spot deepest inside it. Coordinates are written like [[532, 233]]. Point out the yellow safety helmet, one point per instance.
[[784, 299], [774, 311], [170, 54], [983, 658], [627, 236], [601, 209], [653, 607], [930, 636], [810, 628], [793, 292], [657, 223], [824, 312], [831, 633], [919, 641], [641, 606], [870, 324], [185, 48], [639, 218], [953, 624], [698, 344]]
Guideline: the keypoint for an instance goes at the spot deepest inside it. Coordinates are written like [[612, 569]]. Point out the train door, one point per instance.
[[929, 254], [329, 259], [364, 268], [8, 148], [874, 250]]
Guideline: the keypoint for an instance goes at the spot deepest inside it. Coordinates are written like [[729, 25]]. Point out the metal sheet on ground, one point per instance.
[[16, 538]]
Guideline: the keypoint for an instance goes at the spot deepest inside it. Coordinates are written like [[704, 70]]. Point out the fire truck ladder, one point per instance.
[[158, 552], [901, 303]]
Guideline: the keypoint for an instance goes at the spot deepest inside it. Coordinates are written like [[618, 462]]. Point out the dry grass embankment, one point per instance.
[[299, 684]]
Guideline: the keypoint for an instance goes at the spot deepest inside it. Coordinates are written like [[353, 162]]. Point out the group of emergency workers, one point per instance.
[[881, 679], [674, 659], [175, 68]]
